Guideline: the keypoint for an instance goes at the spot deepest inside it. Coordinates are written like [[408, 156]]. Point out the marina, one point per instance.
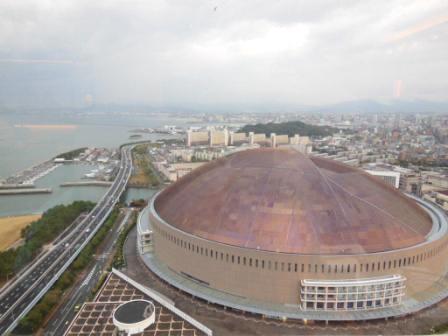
[[16, 186], [22, 204], [25, 147], [77, 189], [71, 180], [29, 176]]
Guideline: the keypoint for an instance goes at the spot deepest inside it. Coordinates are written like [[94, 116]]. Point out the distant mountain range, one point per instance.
[[393, 106], [358, 106], [355, 106]]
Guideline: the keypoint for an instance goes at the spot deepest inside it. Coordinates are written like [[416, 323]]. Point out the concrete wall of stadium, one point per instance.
[[275, 277]]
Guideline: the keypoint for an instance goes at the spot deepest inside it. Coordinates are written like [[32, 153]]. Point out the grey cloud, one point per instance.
[[226, 51]]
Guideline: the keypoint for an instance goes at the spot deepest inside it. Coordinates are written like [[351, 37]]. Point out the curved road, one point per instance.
[[26, 291]]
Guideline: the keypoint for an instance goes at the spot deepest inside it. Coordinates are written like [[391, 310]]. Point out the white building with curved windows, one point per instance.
[[144, 232], [281, 234], [352, 294]]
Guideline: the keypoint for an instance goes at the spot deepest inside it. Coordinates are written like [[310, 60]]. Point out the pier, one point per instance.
[[31, 175], [25, 191], [86, 183], [17, 186]]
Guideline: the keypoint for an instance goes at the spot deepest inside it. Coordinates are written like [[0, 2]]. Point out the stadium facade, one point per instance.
[[276, 232]]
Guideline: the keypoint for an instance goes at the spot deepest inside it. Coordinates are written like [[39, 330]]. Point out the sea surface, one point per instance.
[[26, 140], [13, 205]]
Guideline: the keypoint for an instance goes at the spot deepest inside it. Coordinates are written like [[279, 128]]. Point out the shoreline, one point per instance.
[[11, 227], [30, 175]]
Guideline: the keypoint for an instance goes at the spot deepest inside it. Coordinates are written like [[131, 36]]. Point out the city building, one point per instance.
[[144, 232], [439, 197], [285, 235], [410, 181], [407, 180], [225, 138], [436, 180], [389, 176]]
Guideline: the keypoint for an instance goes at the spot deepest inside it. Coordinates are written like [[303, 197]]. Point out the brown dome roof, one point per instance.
[[281, 200]]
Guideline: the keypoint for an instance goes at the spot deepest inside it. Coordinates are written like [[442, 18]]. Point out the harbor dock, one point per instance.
[[25, 191]]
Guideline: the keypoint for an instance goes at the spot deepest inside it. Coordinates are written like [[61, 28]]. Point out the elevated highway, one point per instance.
[[20, 296]]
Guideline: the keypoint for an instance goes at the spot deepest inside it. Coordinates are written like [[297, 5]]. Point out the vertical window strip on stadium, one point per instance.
[[378, 266]]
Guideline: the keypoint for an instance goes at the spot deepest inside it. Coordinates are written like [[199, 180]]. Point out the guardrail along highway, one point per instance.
[[20, 296]]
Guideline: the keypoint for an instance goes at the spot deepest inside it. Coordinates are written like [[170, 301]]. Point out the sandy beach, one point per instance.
[[10, 228]]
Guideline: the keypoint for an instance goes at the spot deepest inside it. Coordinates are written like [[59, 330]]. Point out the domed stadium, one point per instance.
[[282, 234]]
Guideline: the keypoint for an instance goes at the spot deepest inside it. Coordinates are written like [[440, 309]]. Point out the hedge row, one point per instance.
[[119, 260]]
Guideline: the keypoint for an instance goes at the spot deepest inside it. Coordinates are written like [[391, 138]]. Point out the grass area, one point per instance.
[[39, 233], [144, 175], [119, 260], [72, 154], [11, 228], [36, 317]]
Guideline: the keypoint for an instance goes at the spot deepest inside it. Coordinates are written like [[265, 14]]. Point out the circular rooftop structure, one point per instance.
[[280, 200], [278, 233], [134, 316]]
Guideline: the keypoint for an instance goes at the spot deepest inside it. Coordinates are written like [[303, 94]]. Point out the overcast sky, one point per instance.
[[222, 51]]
